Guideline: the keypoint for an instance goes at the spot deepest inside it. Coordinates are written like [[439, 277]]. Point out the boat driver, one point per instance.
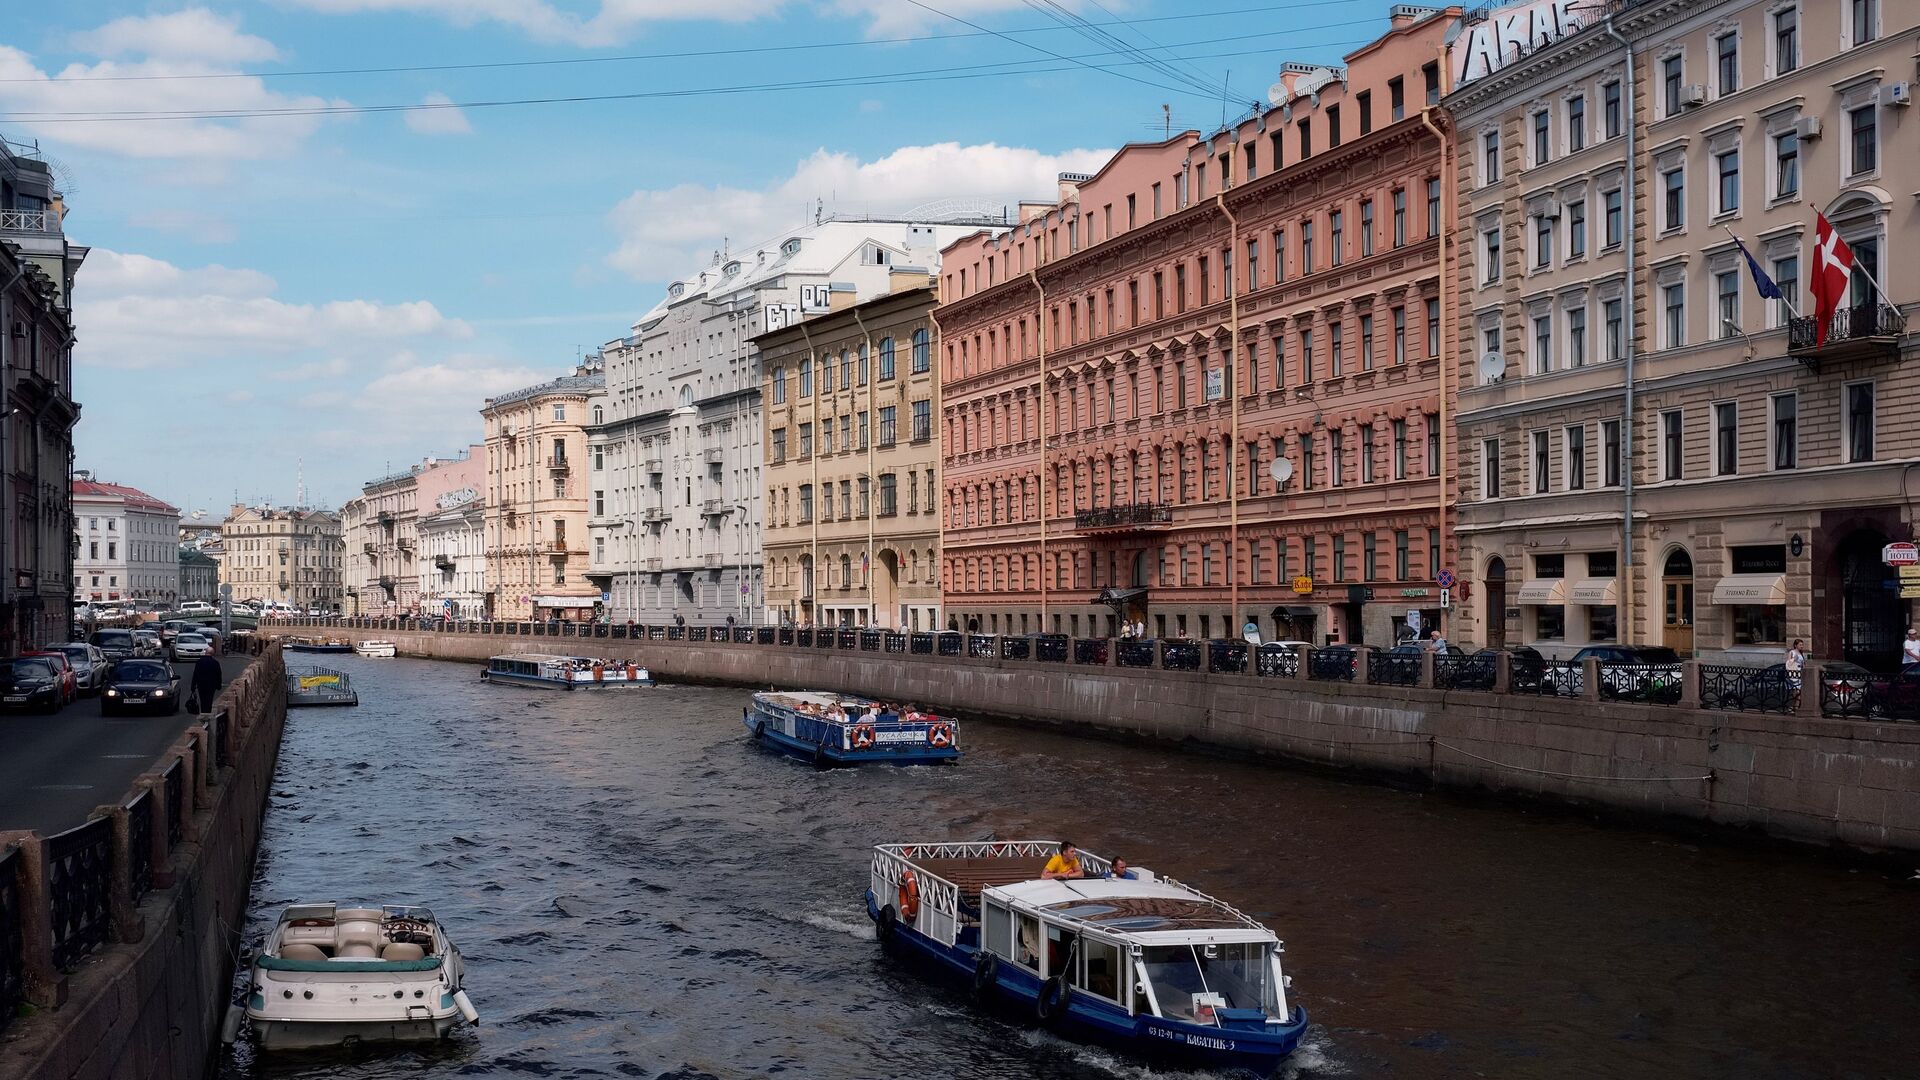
[[1121, 871], [1064, 864]]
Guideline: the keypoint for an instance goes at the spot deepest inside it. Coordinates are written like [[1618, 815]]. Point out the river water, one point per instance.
[[641, 892]]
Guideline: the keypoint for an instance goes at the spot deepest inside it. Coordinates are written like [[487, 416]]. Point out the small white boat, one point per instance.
[[378, 649], [332, 975]]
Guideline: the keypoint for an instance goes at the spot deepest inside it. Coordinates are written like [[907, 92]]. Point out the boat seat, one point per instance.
[[358, 949], [403, 950], [300, 950]]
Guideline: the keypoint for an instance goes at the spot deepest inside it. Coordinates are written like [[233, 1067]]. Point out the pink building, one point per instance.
[[1204, 387]]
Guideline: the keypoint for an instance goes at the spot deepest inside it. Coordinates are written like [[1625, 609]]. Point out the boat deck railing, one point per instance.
[[949, 895]]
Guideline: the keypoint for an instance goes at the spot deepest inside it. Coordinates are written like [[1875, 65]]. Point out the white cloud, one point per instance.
[[446, 120], [140, 312], [665, 231], [610, 22], [193, 34]]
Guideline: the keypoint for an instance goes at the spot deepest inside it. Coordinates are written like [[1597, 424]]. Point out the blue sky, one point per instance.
[[342, 290]]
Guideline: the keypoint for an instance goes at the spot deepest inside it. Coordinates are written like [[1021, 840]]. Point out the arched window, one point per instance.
[[846, 370], [686, 396], [779, 385], [863, 364], [886, 359], [922, 351], [599, 415], [806, 377]]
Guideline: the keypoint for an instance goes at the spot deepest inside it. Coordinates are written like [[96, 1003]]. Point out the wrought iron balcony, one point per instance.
[[713, 560], [1863, 330], [555, 547], [1123, 518], [559, 466], [444, 562], [716, 507], [653, 565]]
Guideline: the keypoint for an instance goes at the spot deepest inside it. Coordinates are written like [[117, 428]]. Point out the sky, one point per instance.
[[346, 228]]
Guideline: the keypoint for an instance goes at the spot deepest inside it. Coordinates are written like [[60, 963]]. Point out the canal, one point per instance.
[[641, 892]]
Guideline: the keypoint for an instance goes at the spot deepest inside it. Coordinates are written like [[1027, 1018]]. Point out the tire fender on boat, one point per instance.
[[465, 1005], [230, 1024], [986, 975], [885, 924], [1051, 1005]]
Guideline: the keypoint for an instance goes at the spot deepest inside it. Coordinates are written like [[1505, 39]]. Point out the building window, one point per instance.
[[1306, 138], [1610, 110], [1430, 72], [1433, 329], [1726, 439], [1726, 61], [887, 426], [1366, 454], [922, 420], [1433, 206], [1615, 227], [1336, 228], [779, 385], [1399, 335], [1366, 227], [1542, 241], [1306, 356], [1336, 458], [923, 351], [1786, 40], [1576, 464], [1727, 165], [1306, 463], [1577, 230], [1726, 287], [1672, 461], [1542, 344], [1339, 556], [1401, 569], [1490, 158], [1542, 138], [1786, 274], [1863, 140], [1490, 468], [1786, 431], [1576, 123], [806, 378], [1490, 255], [886, 358], [1366, 343], [1670, 84], [1610, 453], [559, 413], [1673, 185], [1253, 265], [1612, 313], [1673, 302], [1542, 462], [1306, 247], [1860, 421], [1786, 164], [1397, 98], [1864, 15], [1576, 337]]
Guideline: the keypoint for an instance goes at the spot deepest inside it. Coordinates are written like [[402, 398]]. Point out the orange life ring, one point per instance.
[[862, 736], [940, 736], [909, 897]]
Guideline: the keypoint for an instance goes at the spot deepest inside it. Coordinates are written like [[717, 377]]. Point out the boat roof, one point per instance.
[[1151, 911], [823, 698], [539, 658]]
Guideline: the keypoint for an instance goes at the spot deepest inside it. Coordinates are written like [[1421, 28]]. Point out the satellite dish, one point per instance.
[[1277, 94], [1493, 368], [1282, 469]]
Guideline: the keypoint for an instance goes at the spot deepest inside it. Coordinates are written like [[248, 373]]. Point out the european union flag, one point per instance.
[[1769, 290]]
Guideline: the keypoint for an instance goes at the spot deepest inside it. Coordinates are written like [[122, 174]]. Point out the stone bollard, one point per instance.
[[1303, 662], [1690, 684], [1427, 657], [1502, 672], [1362, 661], [1811, 682], [1590, 679], [45, 986], [120, 914], [1159, 655]]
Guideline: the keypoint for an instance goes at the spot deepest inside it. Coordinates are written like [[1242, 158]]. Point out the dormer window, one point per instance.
[[677, 290], [732, 268], [791, 247]]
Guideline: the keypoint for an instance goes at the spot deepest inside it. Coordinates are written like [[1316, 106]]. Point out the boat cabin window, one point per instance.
[[1100, 962], [1026, 946], [1060, 953], [1188, 977], [998, 927]]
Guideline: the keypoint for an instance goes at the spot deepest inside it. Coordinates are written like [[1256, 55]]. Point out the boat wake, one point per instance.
[[862, 930]]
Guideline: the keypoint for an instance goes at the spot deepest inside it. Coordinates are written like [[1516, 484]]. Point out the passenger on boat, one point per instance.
[[1121, 871], [1064, 864]]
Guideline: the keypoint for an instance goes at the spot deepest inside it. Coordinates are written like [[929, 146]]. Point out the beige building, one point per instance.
[[387, 544], [536, 501], [852, 518], [1618, 363], [292, 556]]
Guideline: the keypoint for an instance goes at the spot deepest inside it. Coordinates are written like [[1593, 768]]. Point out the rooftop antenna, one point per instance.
[[819, 207], [1166, 121], [1225, 92], [300, 491]]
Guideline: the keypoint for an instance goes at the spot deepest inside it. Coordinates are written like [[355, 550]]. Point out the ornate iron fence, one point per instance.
[[764, 635], [920, 644], [1393, 669], [804, 638], [1474, 672], [980, 646], [1091, 650], [849, 639], [1050, 648], [1545, 678], [1179, 654], [140, 844], [869, 641], [785, 637], [1134, 653], [1276, 661], [1846, 697], [1228, 656], [896, 642], [12, 946], [1650, 684], [676, 632], [1747, 689], [174, 780], [949, 644], [1331, 665], [79, 869], [1016, 648]]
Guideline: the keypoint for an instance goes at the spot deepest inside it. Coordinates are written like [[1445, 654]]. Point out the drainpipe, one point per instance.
[[1040, 338], [933, 357], [6, 417], [1449, 331], [813, 466], [873, 479], [1233, 396], [1629, 336]]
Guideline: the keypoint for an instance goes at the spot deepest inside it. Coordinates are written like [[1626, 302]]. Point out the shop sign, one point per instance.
[[1910, 592], [1413, 593], [1909, 572], [1303, 585], [1900, 553], [1504, 35]]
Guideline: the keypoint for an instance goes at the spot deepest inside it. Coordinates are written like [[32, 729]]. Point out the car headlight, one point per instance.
[[159, 693], [111, 692]]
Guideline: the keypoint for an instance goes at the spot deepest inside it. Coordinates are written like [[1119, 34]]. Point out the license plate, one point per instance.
[[16, 697], [132, 700]]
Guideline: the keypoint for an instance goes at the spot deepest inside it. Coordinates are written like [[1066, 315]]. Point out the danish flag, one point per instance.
[[1832, 272]]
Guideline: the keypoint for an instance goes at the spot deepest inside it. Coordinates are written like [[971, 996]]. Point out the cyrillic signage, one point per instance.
[[1506, 34]]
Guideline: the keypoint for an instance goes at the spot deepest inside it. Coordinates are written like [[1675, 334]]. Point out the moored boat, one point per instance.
[[840, 729], [335, 974], [564, 672], [377, 649], [1142, 963], [319, 645], [311, 686]]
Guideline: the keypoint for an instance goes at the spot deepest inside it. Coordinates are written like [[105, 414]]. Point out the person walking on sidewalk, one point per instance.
[[206, 682]]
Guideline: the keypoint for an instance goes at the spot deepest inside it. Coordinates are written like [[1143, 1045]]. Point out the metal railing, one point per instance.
[[13, 974], [1331, 665], [921, 644], [1228, 657], [981, 646], [1650, 684], [1091, 650], [79, 879], [1737, 688], [1016, 648], [1276, 661], [1050, 648], [1546, 678], [1133, 653], [1180, 654], [140, 844], [1113, 517], [1393, 669], [1848, 698], [1474, 672], [1855, 323]]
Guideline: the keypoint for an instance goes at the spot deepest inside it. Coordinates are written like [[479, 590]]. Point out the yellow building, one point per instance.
[[536, 520]]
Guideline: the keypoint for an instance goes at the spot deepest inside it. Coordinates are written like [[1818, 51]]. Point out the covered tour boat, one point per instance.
[[564, 672], [313, 686], [386, 650], [320, 645], [336, 974], [1143, 964], [839, 729]]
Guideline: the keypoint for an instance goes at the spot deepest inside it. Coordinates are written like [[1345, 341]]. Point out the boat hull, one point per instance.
[[507, 678], [767, 730], [271, 1034], [1088, 1019], [317, 648]]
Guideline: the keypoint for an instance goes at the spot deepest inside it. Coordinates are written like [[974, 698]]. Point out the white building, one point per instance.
[[674, 482], [126, 543], [453, 556]]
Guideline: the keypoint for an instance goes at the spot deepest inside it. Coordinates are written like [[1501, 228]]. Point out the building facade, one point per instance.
[[199, 576], [536, 501], [357, 573], [1641, 378], [37, 410], [387, 544], [1204, 388], [852, 515], [289, 555], [453, 557], [126, 544], [677, 452]]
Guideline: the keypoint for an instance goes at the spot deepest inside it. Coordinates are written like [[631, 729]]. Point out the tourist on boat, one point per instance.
[[1064, 864], [1121, 871]]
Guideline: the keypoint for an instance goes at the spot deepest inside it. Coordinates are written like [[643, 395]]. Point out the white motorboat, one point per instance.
[[377, 649], [331, 975]]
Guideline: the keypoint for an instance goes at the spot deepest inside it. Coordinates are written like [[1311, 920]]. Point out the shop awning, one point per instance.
[[1118, 598], [1765, 589], [1595, 592], [564, 601], [1296, 611], [1543, 591]]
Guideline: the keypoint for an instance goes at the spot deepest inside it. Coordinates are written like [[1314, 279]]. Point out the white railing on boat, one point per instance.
[[940, 917]]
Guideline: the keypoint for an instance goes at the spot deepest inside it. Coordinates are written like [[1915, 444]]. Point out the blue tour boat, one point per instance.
[[564, 672], [1145, 964], [840, 729]]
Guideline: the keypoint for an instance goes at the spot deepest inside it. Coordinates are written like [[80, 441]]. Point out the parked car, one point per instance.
[[114, 643], [191, 647], [1895, 696], [90, 665], [1648, 673], [197, 607], [63, 667], [141, 686], [29, 683], [148, 644], [1333, 662], [1764, 689]]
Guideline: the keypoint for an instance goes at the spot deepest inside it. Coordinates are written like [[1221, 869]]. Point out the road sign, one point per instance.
[[1910, 572], [1445, 579], [1910, 592], [1900, 553], [1303, 585], [1446, 597]]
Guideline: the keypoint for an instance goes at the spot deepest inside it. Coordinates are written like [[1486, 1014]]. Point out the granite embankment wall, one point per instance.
[[1848, 782], [125, 946]]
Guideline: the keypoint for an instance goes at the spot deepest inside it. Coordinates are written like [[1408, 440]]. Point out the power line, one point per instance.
[[1038, 49]]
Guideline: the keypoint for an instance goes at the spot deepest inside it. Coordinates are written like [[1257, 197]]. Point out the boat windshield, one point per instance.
[[1237, 974]]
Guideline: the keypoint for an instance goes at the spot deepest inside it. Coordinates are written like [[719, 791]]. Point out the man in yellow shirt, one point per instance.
[[1065, 864]]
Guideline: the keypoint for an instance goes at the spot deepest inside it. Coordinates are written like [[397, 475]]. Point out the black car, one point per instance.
[[1767, 689], [116, 644], [29, 683], [141, 686], [1333, 663]]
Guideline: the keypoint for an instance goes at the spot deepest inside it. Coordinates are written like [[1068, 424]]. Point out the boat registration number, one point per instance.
[[1210, 1042], [899, 736]]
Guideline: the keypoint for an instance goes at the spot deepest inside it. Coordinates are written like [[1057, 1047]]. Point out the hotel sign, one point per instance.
[[1504, 35]]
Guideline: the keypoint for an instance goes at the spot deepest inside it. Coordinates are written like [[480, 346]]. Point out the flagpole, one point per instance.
[[1744, 253]]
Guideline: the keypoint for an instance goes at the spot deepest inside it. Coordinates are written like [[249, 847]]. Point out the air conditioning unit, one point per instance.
[[1692, 95], [1550, 210], [1807, 127], [1896, 94]]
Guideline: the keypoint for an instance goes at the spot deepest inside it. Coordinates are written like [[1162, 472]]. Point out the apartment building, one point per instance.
[[126, 544], [536, 500], [387, 545], [451, 528], [677, 453], [288, 555], [1204, 387], [852, 518], [1619, 364]]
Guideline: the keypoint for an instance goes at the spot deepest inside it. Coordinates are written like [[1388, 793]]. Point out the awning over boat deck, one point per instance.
[[1595, 592], [1543, 591], [1763, 589], [972, 875]]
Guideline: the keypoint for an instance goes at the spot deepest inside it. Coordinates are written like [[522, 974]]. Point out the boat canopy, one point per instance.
[[1149, 911]]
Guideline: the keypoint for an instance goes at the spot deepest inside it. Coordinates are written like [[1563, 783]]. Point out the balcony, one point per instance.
[[713, 560], [653, 565], [386, 582], [654, 466], [1133, 517], [558, 466], [37, 222], [444, 562], [367, 547], [716, 508], [555, 547], [1864, 331], [714, 455], [654, 515]]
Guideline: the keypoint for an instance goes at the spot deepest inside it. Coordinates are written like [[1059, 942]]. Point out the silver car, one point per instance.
[[90, 665], [191, 647], [148, 645]]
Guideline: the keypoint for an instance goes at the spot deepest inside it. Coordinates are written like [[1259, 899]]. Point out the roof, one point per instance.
[[566, 384], [1141, 909], [134, 498]]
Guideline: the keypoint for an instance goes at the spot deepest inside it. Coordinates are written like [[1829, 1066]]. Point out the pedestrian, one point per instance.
[[1796, 659], [1435, 642], [206, 682], [1910, 648]]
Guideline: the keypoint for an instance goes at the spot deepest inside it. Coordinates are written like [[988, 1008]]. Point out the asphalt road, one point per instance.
[[54, 769]]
